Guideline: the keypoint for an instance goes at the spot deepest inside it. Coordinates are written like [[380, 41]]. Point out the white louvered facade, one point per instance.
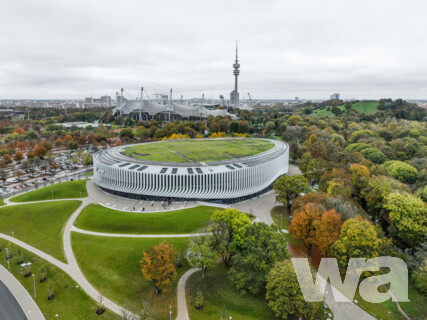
[[220, 180]]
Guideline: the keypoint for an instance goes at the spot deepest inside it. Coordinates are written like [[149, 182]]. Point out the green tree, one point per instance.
[[88, 160], [126, 134], [408, 214], [284, 293], [374, 155], [264, 246], [378, 188], [358, 239], [401, 171], [288, 188], [200, 253], [304, 163], [228, 229]]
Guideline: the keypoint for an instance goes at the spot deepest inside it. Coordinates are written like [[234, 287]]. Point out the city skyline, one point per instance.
[[310, 50]]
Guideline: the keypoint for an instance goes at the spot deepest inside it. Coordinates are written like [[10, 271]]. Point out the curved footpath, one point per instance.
[[182, 301], [16, 304], [127, 235]]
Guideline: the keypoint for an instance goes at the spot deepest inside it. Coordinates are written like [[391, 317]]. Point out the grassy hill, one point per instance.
[[365, 106]]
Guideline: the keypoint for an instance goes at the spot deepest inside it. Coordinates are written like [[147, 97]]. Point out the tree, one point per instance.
[[284, 294], [359, 177], [199, 300], [327, 230], [18, 156], [303, 224], [401, 171], [200, 253], [378, 188], [269, 127], [158, 265], [88, 160], [418, 266], [264, 246], [358, 239], [126, 134], [304, 163], [336, 111], [289, 188], [7, 159], [40, 151], [228, 229], [374, 155], [408, 214]]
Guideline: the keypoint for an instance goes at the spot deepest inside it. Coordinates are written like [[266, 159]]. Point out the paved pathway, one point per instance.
[[126, 235], [15, 301], [182, 301]]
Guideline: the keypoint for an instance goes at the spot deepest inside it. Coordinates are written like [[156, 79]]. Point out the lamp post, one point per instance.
[[80, 194], [7, 258], [170, 312], [34, 278], [13, 234], [57, 316], [52, 194]]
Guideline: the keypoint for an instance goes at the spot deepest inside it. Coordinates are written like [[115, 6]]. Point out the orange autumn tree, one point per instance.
[[303, 225], [158, 265], [327, 231]]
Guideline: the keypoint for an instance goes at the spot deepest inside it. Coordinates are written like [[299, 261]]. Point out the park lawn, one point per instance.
[[112, 265], [281, 211], [366, 106], [69, 302], [323, 112], [198, 150], [63, 190], [220, 295], [416, 308], [40, 225], [101, 219], [88, 173], [1, 202]]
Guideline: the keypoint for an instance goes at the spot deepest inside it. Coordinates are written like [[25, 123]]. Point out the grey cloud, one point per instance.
[[71, 49]]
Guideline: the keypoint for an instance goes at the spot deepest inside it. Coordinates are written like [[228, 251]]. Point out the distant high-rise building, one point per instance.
[[236, 72], [104, 100], [335, 96], [296, 99]]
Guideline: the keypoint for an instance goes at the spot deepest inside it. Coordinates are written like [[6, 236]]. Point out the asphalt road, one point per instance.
[[9, 307]]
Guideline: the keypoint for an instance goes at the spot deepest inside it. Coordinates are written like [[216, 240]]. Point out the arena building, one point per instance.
[[230, 169]]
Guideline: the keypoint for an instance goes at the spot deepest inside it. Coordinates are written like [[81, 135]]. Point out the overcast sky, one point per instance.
[[311, 49]]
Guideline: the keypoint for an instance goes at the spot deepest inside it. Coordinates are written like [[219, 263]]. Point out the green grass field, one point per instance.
[[63, 190], [326, 113], [366, 106], [40, 225], [416, 308], [199, 150], [112, 265], [219, 292], [101, 219], [70, 302]]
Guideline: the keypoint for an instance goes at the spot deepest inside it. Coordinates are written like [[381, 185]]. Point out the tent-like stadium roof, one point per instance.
[[184, 110]]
